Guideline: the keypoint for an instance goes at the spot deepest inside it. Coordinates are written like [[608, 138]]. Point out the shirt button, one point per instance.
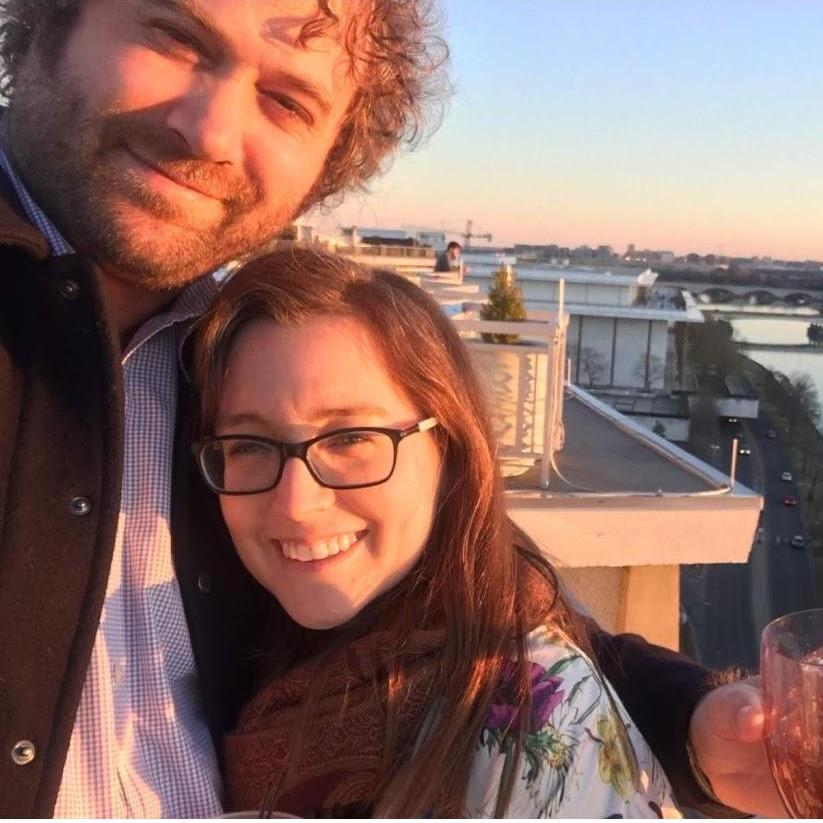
[[204, 582], [69, 289], [23, 752], [79, 506]]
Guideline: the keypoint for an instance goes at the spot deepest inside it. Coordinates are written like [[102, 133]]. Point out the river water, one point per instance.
[[791, 331]]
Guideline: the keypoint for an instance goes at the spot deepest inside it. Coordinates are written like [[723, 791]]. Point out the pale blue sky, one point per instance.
[[681, 124]]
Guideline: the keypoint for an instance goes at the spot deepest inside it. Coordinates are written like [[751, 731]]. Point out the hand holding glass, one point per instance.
[[791, 672]]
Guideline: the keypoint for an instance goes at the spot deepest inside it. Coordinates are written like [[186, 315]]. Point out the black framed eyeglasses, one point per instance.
[[352, 458]]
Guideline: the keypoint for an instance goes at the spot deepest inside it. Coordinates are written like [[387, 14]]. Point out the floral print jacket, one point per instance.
[[582, 757]]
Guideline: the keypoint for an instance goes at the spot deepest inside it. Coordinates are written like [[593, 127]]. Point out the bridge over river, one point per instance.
[[749, 294]]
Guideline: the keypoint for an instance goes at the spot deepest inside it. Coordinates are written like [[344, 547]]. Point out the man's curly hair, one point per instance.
[[398, 59]]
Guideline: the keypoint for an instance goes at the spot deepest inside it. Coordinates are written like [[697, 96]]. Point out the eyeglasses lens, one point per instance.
[[240, 465], [341, 460], [353, 458]]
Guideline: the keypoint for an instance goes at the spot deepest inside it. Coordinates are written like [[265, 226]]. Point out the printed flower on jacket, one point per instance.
[[546, 696], [612, 762]]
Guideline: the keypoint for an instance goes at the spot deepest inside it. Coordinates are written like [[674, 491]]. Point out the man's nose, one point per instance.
[[212, 118], [298, 495]]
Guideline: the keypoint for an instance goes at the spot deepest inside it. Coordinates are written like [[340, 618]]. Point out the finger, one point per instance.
[[748, 724], [732, 710]]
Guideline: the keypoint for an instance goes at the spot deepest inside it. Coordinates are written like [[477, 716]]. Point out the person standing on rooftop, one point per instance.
[[449, 259], [145, 144]]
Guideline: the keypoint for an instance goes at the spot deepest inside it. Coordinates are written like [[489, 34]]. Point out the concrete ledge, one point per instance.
[[639, 530]]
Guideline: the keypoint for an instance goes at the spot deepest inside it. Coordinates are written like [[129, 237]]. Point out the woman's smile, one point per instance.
[[318, 549]]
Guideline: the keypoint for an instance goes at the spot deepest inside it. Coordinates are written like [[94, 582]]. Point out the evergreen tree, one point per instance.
[[505, 302]]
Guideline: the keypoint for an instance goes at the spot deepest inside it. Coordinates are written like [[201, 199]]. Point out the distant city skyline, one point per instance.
[[689, 126]]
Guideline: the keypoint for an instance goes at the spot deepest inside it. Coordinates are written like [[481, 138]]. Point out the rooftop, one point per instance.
[[619, 495], [578, 274], [600, 456]]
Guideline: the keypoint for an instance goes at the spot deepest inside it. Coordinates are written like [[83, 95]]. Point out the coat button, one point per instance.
[[23, 752], [69, 289], [79, 506], [204, 582]]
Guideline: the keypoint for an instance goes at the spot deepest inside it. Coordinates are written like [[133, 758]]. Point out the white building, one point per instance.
[[621, 339]]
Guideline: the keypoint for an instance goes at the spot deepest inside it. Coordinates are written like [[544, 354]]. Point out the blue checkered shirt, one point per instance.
[[140, 745]]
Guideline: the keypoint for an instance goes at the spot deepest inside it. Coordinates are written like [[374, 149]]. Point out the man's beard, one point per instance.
[[65, 151]]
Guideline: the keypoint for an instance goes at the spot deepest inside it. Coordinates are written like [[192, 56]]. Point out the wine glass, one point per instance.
[[791, 674]]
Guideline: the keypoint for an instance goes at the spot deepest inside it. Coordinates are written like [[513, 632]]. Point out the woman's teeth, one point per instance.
[[320, 549]]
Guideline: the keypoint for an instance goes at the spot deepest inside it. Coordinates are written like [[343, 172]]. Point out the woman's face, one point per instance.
[[324, 553]]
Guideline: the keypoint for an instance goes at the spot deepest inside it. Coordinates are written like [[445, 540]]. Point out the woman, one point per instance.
[[421, 658]]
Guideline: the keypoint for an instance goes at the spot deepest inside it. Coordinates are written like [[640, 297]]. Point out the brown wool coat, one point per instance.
[[61, 459]]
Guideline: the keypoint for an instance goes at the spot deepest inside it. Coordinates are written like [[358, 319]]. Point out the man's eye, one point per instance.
[[173, 39], [288, 105]]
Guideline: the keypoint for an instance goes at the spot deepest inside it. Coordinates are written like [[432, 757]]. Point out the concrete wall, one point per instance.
[[547, 291], [606, 295], [595, 592], [644, 600]]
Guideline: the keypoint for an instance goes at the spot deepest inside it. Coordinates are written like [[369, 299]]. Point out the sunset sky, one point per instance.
[[689, 125]]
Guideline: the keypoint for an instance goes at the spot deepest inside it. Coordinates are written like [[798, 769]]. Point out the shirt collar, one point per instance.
[[57, 243]]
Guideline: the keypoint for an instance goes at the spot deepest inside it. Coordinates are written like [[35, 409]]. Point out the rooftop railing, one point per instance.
[[524, 384]]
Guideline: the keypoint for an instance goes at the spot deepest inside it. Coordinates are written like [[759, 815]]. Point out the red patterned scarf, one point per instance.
[[344, 749], [347, 747]]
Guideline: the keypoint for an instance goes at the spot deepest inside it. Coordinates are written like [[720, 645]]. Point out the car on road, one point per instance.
[[790, 500], [743, 448], [786, 477], [771, 434], [798, 542], [732, 420]]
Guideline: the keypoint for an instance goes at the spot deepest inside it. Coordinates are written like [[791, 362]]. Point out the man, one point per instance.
[[146, 143], [448, 260]]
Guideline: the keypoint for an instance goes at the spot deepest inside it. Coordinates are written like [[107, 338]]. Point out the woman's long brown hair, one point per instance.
[[472, 575]]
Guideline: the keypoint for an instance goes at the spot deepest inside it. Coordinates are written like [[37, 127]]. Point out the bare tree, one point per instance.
[[804, 393], [593, 365]]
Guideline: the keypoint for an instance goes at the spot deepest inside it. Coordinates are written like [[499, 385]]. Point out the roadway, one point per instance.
[[727, 605]]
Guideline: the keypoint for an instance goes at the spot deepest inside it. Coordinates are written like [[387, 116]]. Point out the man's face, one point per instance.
[[169, 136]]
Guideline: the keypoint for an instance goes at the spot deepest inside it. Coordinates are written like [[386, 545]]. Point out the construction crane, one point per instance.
[[469, 235]]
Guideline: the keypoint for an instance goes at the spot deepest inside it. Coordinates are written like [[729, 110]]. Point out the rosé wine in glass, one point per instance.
[[791, 674]]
